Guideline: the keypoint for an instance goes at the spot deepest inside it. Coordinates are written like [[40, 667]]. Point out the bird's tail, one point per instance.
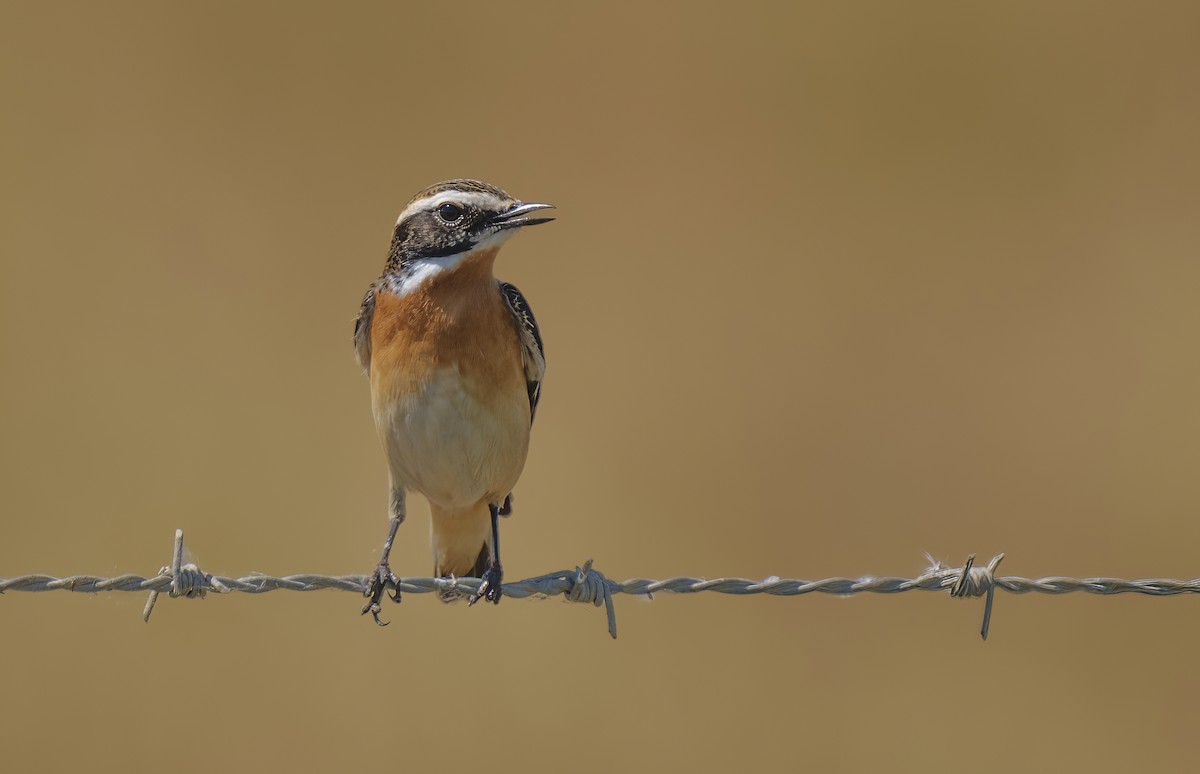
[[461, 542]]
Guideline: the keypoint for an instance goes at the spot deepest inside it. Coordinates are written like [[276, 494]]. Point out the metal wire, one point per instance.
[[587, 585]]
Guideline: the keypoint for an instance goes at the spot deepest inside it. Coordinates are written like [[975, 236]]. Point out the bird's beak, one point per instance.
[[512, 217]]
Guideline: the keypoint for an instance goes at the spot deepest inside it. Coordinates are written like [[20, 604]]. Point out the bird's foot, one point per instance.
[[491, 588], [377, 585]]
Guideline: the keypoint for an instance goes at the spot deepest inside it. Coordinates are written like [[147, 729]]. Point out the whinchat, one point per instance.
[[455, 361]]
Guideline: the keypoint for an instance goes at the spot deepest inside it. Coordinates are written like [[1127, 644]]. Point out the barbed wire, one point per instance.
[[588, 585]]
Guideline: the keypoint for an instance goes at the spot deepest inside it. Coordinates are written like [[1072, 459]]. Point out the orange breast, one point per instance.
[[448, 387], [456, 319]]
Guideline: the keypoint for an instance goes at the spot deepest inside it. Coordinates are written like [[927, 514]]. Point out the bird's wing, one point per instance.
[[362, 330], [533, 353]]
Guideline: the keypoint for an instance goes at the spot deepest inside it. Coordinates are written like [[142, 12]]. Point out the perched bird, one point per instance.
[[455, 361]]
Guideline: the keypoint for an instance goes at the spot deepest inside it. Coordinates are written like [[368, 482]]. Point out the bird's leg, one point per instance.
[[491, 587], [383, 577]]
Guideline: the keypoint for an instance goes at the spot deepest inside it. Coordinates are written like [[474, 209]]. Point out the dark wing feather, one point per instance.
[[362, 330], [533, 352]]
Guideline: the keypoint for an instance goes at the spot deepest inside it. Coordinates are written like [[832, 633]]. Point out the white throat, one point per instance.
[[421, 270]]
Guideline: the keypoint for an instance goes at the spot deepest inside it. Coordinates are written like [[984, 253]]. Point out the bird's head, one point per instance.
[[457, 216]]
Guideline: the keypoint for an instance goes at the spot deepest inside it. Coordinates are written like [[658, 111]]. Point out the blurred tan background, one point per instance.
[[833, 285]]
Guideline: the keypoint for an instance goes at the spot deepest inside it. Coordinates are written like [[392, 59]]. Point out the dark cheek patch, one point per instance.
[[427, 236], [435, 239]]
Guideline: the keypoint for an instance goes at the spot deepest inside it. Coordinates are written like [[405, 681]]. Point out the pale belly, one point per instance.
[[445, 441]]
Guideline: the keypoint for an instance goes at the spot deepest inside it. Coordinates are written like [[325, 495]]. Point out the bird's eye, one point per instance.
[[451, 213]]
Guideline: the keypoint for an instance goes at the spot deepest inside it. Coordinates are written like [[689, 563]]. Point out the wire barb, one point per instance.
[[590, 586], [187, 580], [976, 582]]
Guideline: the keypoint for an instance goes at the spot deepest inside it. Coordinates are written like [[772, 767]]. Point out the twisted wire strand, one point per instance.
[[587, 585], [558, 583]]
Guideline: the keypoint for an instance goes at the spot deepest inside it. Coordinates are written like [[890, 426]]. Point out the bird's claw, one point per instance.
[[380, 580], [491, 588]]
